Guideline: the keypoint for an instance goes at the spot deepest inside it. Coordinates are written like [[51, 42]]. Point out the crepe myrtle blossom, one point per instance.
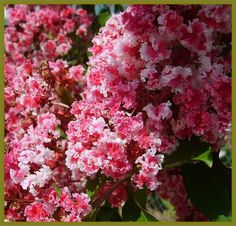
[[117, 198], [37, 81], [72, 207], [150, 166], [35, 115], [157, 74], [45, 31]]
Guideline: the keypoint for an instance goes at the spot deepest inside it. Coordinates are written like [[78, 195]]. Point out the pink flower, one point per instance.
[[76, 73], [117, 198], [149, 168], [76, 205], [36, 212]]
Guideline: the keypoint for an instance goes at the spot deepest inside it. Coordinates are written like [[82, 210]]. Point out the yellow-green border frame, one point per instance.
[[3, 2]]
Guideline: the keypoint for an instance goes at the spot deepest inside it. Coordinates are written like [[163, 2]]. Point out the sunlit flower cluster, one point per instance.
[[40, 86], [157, 74]]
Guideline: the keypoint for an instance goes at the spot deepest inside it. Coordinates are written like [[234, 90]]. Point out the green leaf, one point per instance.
[[205, 157], [92, 186], [62, 133], [107, 213], [91, 216], [100, 21], [131, 211], [189, 151], [145, 216], [88, 8], [57, 189], [209, 188], [224, 218], [135, 207], [118, 8], [102, 18], [90, 193], [140, 197]]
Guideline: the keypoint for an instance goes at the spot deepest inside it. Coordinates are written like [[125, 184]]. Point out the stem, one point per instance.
[[60, 104], [19, 200], [97, 202]]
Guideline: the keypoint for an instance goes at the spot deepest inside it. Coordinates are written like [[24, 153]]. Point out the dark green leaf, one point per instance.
[[189, 151], [91, 216], [131, 211], [107, 213], [89, 8], [209, 188], [135, 208], [119, 8], [140, 197]]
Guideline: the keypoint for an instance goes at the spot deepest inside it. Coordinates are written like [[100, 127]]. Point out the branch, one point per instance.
[[60, 104], [19, 200], [97, 202]]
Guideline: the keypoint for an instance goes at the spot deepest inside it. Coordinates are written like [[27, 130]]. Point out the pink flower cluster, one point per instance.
[[172, 189], [39, 88], [118, 196], [71, 207], [35, 151], [157, 75], [45, 32]]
